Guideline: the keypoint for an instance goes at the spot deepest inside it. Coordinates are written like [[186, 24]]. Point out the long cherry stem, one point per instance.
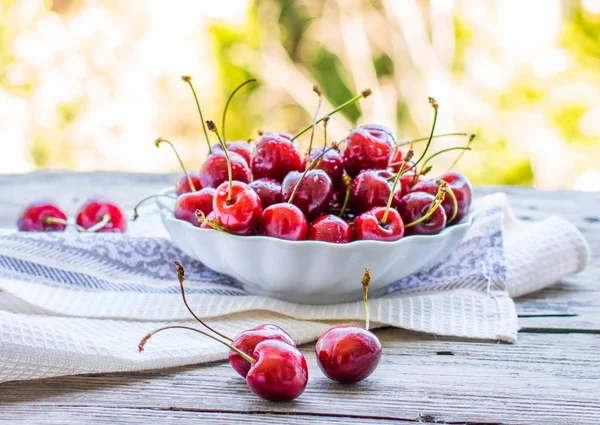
[[181, 278], [252, 80], [439, 198], [157, 143], [363, 94], [348, 183], [188, 80], [365, 284], [435, 107], [318, 91], [438, 136], [309, 167], [471, 137], [100, 225], [454, 204], [154, 332], [212, 127], [402, 170], [135, 212], [325, 122], [56, 220], [456, 148]]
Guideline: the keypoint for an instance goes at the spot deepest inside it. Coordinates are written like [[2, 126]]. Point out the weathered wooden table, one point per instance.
[[550, 376]]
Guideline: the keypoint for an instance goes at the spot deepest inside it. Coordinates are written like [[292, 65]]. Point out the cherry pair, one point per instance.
[[95, 215]]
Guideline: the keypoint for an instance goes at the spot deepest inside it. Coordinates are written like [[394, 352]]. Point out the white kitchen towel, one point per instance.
[[73, 303]]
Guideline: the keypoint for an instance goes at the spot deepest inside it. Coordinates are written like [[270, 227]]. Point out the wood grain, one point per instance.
[[550, 376]]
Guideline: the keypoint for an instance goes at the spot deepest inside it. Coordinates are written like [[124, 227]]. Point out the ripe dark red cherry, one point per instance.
[[349, 354], [330, 228], [246, 341], [368, 225], [183, 184], [461, 188], [188, 203], [268, 190], [313, 194], [241, 214], [332, 163], [42, 216], [371, 188], [367, 147], [274, 157], [214, 170], [97, 215], [283, 221], [415, 205], [280, 373]]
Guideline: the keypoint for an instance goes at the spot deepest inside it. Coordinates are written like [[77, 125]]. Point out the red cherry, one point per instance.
[[101, 216], [240, 214], [348, 354], [247, 340], [330, 228], [368, 226], [371, 188], [283, 221], [214, 170], [461, 188], [274, 157], [313, 194], [280, 373], [268, 190], [332, 163], [42, 216], [414, 206], [183, 184], [367, 147], [188, 203]]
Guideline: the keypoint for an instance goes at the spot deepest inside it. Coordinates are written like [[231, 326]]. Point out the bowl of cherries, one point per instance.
[[302, 227]]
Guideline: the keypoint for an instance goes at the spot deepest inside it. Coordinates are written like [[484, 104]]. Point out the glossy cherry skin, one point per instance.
[[268, 190], [93, 210], [274, 157], [242, 214], [461, 187], [332, 163], [348, 354], [367, 226], [281, 372], [246, 342], [367, 148], [244, 149], [214, 170], [414, 206], [188, 203], [183, 184], [371, 188], [283, 221], [34, 217], [330, 228], [314, 192]]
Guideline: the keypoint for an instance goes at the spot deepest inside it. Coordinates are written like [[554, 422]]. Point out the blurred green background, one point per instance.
[[90, 84]]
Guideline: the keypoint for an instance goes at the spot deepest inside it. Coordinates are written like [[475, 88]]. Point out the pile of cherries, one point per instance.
[[274, 369], [366, 187]]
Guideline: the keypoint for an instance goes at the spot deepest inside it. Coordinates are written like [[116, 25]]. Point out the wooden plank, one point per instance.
[[542, 379]]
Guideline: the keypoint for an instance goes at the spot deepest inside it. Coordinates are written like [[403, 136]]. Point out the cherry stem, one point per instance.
[[318, 91], [188, 80], [212, 127], [56, 220], [364, 93], [435, 107], [456, 148], [365, 284], [439, 198], [309, 167], [252, 80], [454, 204], [402, 170], [135, 212], [101, 224], [154, 332], [160, 140], [212, 223], [348, 183], [325, 122], [471, 137], [181, 278], [422, 139]]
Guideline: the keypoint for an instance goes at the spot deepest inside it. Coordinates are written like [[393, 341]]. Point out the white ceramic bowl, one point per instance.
[[310, 272]]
